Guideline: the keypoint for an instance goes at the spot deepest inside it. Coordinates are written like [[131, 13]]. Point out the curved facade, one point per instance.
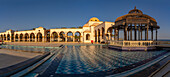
[[94, 29]]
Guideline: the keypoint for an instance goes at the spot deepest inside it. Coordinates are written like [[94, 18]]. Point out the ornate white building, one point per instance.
[[94, 29]]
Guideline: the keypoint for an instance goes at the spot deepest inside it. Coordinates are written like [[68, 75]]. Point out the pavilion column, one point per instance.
[[152, 33], [135, 32], [138, 32], [118, 34], [114, 33], [125, 32], [141, 34], [147, 31], [128, 34], [131, 32]]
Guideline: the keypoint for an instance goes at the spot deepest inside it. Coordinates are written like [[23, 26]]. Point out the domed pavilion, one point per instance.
[[137, 22]]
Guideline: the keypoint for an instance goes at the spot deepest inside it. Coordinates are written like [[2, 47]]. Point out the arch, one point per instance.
[[98, 35], [54, 37], [39, 37], [110, 31], [32, 37], [21, 37], [2, 38], [62, 36], [26, 37], [103, 31], [77, 36], [87, 36], [95, 34], [48, 36], [16, 37], [8, 37], [69, 36]]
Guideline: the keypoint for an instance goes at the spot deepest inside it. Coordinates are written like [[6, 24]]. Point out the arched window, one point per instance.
[[87, 36]]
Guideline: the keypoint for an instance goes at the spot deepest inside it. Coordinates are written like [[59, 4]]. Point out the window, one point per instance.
[[87, 36]]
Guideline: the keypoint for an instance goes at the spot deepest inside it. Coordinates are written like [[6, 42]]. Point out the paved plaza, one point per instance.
[[11, 57]]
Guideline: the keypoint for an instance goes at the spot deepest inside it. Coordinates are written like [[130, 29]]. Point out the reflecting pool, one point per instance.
[[97, 61], [89, 60]]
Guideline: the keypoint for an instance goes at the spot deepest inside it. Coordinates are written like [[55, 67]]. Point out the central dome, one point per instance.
[[135, 13], [94, 19]]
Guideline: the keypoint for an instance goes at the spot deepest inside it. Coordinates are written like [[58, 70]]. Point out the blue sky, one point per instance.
[[28, 14]]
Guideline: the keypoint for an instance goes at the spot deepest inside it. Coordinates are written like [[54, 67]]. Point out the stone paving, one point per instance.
[[47, 44], [11, 57]]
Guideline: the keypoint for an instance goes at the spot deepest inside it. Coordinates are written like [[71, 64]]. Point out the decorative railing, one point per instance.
[[135, 43]]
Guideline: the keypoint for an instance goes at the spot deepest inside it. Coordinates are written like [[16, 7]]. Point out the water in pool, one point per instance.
[[91, 61], [96, 61]]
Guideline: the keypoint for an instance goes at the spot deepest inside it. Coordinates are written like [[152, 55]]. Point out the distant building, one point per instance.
[[94, 29]]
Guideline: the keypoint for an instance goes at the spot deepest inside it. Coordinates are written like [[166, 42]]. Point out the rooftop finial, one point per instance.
[[135, 7]]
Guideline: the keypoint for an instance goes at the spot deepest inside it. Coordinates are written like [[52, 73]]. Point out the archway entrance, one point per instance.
[[32, 37], [48, 36], [21, 37], [39, 37], [69, 36], [16, 38], [77, 37], [54, 37], [62, 36], [8, 37], [26, 37]]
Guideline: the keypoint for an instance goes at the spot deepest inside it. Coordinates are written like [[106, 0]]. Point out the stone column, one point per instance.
[[73, 37], [125, 32], [139, 32], [35, 38], [65, 37], [14, 38], [114, 33], [131, 32], [97, 36], [23, 38], [128, 34], [152, 33], [135, 32], [43, 38], [118, 34], [147, 31]]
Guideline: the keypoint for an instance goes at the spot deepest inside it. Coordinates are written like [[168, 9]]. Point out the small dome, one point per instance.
[[135, 11], [94, 19], [40, 27]]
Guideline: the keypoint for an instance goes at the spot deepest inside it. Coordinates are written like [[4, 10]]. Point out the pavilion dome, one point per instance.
[[94, 19], [135, 13]]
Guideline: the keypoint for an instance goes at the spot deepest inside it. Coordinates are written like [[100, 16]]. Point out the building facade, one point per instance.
[[94, 29]]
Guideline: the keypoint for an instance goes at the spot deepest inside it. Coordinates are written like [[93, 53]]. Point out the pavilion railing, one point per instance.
[[135, 43]]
